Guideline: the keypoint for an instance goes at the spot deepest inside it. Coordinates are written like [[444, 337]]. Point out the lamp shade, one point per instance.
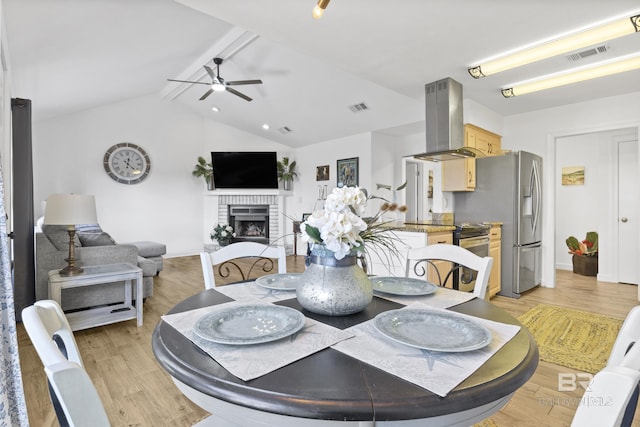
[[70, 209]]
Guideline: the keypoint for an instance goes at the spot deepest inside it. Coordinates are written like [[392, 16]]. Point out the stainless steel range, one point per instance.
[[475, 238]]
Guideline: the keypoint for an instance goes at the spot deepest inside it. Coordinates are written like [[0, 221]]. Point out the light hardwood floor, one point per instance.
[[136, 391]]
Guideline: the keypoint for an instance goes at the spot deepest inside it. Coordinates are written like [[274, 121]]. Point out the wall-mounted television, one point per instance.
[[245, 169]]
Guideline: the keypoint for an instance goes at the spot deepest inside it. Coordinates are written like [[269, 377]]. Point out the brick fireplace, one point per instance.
[[261, 214]]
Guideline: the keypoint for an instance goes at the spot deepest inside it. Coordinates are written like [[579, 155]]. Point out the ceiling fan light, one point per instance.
[[217, 86], [619, 65], [319, 8], [578, 40]]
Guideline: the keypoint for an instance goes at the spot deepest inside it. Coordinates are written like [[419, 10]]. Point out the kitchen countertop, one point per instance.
[[421, 226]]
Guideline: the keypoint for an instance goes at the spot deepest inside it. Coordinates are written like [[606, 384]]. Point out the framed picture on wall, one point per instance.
[[347, 172], [573, 175], [322, 173]]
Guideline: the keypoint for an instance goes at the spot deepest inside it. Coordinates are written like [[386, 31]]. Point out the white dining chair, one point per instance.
[[223, 260], [611, 397], [421, 259], [73, 395]]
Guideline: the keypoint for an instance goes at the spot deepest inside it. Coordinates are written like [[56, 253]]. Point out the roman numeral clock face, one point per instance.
[[127, 163]]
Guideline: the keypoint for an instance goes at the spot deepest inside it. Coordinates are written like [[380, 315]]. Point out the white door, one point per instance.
[[628, 217]]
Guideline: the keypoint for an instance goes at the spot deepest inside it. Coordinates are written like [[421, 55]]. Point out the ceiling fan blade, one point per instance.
[[207, 93], [241, 95], [187, 81], [244, 82], [210, 72]]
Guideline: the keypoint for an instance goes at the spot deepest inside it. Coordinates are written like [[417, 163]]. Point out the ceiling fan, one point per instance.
[[218, 84]]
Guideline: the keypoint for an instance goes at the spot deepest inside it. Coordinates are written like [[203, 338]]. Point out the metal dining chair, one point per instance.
[[611, 398], [73, 395], [225, 260], [420, 260]]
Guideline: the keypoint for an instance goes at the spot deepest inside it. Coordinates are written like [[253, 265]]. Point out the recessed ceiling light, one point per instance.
[[215, 109], [265, 126]]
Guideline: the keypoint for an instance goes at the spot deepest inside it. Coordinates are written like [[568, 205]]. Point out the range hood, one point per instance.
[[444, 125]]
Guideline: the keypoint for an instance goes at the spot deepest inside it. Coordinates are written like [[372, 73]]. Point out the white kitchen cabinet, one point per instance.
[[383, 263]]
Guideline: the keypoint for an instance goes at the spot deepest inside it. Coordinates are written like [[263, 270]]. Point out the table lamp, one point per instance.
[[69, 210]]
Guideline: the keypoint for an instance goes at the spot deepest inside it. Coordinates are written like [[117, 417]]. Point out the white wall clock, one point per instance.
[[127, 163]]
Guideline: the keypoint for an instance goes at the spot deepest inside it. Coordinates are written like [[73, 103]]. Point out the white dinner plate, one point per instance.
[[281, 282], [249, 324], [432, 330], [402, 286]]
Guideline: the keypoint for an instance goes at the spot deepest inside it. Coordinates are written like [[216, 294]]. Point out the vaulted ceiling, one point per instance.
[[71, 55]]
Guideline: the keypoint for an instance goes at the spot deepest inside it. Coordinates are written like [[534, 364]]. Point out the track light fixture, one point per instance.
[[619, 65], [319, 8], [571, 42]]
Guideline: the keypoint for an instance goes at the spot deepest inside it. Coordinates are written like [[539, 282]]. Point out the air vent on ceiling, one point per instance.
[[358, 108], [577, 56], [284, 130]]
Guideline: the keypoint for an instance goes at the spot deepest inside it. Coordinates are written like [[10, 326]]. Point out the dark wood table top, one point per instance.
[[333, 386]]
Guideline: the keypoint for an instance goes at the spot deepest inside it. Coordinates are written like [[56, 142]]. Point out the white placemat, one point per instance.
[[435, 371], [441, 298], [251, 361], [250, 291]]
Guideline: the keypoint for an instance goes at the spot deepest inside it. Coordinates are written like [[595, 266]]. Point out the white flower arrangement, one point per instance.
[[222, 233], [340, 226]]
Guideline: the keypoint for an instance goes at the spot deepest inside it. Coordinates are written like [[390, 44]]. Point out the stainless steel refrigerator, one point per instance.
[[509, 190]]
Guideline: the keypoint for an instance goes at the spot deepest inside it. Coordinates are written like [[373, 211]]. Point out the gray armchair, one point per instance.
[[52, 249]]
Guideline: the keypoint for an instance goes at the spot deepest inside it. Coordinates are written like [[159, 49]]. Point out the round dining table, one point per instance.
[[330, 388]]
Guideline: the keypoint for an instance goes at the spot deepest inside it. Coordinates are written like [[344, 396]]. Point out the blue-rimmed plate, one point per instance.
[[249, 324], [402, 286], [432, 330], [280, 282]]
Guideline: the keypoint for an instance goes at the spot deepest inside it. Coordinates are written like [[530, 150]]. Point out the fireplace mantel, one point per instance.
[[249, 192]]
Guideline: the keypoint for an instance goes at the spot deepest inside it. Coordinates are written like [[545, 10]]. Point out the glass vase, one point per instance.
[[333, 287]]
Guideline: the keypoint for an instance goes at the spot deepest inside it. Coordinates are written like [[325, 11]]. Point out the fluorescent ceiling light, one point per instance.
[[571, 42], [319, 8], [619, 65]]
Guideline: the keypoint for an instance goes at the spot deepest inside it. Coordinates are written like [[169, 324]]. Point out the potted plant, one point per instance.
[[585, 254], [205, 170], [223, 234], [286, 172]]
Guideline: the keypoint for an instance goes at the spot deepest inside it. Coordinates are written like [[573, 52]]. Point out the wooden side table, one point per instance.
[[97, 275], [296, 231]]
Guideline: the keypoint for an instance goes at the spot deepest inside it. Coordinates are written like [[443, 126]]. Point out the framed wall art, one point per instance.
[[573, 175], [322, 173], [348, 172]]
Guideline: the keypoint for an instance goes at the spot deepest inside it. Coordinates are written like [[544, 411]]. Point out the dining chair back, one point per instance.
[[612, 396], [628, 335], [73, 395], [607, 397], [421, 259], [225, 260]]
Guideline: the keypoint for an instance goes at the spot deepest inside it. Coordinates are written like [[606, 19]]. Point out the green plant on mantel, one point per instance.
[[204, 169], [286, 172]]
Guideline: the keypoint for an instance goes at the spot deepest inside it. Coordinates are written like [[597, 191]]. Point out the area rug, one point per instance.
[[486, 423], [572, 338]]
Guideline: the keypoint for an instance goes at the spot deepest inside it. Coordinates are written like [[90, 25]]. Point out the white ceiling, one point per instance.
[[70, 55]]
